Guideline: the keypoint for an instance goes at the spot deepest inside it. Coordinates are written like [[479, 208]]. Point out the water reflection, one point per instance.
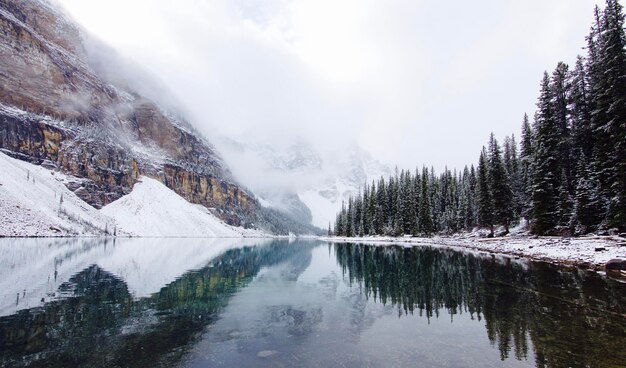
[[165, 302], [573, 318]]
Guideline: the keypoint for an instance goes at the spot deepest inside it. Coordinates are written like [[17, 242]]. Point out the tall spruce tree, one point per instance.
[[613, 59], [483, 195], [560, 90], [546, 171], [580, 110], [526, 175], [425, 211], [499, 185]]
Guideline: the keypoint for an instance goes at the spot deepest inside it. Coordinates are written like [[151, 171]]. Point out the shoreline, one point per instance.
[[591, 252]]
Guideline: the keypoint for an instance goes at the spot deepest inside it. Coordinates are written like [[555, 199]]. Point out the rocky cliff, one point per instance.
[[58, 109]]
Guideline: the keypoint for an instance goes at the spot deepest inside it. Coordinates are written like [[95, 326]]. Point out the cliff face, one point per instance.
[[59, 110]]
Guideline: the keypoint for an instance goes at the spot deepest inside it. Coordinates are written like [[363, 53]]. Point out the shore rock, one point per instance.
[[616, 265]]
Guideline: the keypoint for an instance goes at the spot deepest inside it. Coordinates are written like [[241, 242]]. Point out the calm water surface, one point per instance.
[[244, 303]]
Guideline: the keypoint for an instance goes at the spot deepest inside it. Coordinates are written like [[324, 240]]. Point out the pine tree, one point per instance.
[[566, 202], [526, 175], [364, 208], [614, 62], [512, 165], [409, 216], [425, 216], [499, 185], [580, 109], [381, 199], [586, 215], [560, 89], [350, 219], [473, 180], [606, 70], [485, 203], [435, 200], [545, 165]]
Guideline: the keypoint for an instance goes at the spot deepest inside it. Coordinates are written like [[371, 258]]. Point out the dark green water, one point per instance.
[[234, 303]]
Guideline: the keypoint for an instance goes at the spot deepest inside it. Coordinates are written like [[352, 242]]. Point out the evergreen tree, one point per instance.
[[409, 215], [512, 165], [614, 63], [350, 219], [586, 213], [545, 164], [381, 200], [499, 186], [560, 90], [526, 160], [566, 202], [580, 110], [485, 203], [425, 216]]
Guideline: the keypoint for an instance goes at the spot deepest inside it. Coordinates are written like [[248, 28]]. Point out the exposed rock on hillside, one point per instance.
[[58, 109]]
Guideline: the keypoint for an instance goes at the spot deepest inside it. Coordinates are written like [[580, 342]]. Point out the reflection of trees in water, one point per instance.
[[573, 318], [101, 324]]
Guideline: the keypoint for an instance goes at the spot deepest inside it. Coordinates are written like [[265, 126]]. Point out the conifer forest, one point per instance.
[[564, 175]]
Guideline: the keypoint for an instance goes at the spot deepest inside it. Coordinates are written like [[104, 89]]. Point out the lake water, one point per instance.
[[269, 303]]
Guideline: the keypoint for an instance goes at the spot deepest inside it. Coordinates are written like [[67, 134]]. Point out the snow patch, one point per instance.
[[589, 251], [154, 210], [34, 201]]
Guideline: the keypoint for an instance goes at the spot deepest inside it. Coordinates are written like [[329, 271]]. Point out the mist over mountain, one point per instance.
[[299, 178], [71, 104]]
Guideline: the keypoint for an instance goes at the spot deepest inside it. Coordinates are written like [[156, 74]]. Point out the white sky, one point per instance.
[[414, 82]]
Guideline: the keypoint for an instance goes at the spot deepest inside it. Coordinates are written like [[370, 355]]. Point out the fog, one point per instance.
[[413, 82]]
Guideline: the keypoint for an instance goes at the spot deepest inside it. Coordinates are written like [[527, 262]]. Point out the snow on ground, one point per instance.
[[154, 210], [591, 251], [31, 205]]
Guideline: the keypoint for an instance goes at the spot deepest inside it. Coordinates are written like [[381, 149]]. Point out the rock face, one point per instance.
[[59, 110]]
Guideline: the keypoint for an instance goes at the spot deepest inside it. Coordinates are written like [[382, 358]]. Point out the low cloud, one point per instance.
[[414, 82]]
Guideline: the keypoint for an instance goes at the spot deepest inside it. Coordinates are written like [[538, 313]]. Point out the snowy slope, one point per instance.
[[34, 201], [154, 210], [31, 205]]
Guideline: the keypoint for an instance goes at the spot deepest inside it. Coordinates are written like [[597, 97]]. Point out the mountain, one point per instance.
[[70, 104], [308, 183]]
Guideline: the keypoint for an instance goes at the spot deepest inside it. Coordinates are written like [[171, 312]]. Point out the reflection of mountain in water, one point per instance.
[[101, 325], [572, 318]]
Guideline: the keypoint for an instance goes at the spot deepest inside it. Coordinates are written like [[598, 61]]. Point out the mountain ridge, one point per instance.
[[58, 111]]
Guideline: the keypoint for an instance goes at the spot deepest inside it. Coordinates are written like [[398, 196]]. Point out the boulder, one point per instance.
[[616, 264]]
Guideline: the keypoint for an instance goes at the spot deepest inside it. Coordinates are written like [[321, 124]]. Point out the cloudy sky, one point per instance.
[[414, 82]]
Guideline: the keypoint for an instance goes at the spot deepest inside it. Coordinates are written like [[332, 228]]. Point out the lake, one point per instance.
[[280, 303]]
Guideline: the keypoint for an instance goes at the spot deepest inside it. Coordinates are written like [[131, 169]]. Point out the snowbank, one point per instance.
[[34, 201], [154, 210], [590, 252]]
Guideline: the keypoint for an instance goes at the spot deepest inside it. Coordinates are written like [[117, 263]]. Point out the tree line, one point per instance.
[[567, 175]]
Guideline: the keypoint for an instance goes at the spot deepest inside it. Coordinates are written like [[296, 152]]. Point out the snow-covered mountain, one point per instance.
[[301, 179], [72, 105]]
